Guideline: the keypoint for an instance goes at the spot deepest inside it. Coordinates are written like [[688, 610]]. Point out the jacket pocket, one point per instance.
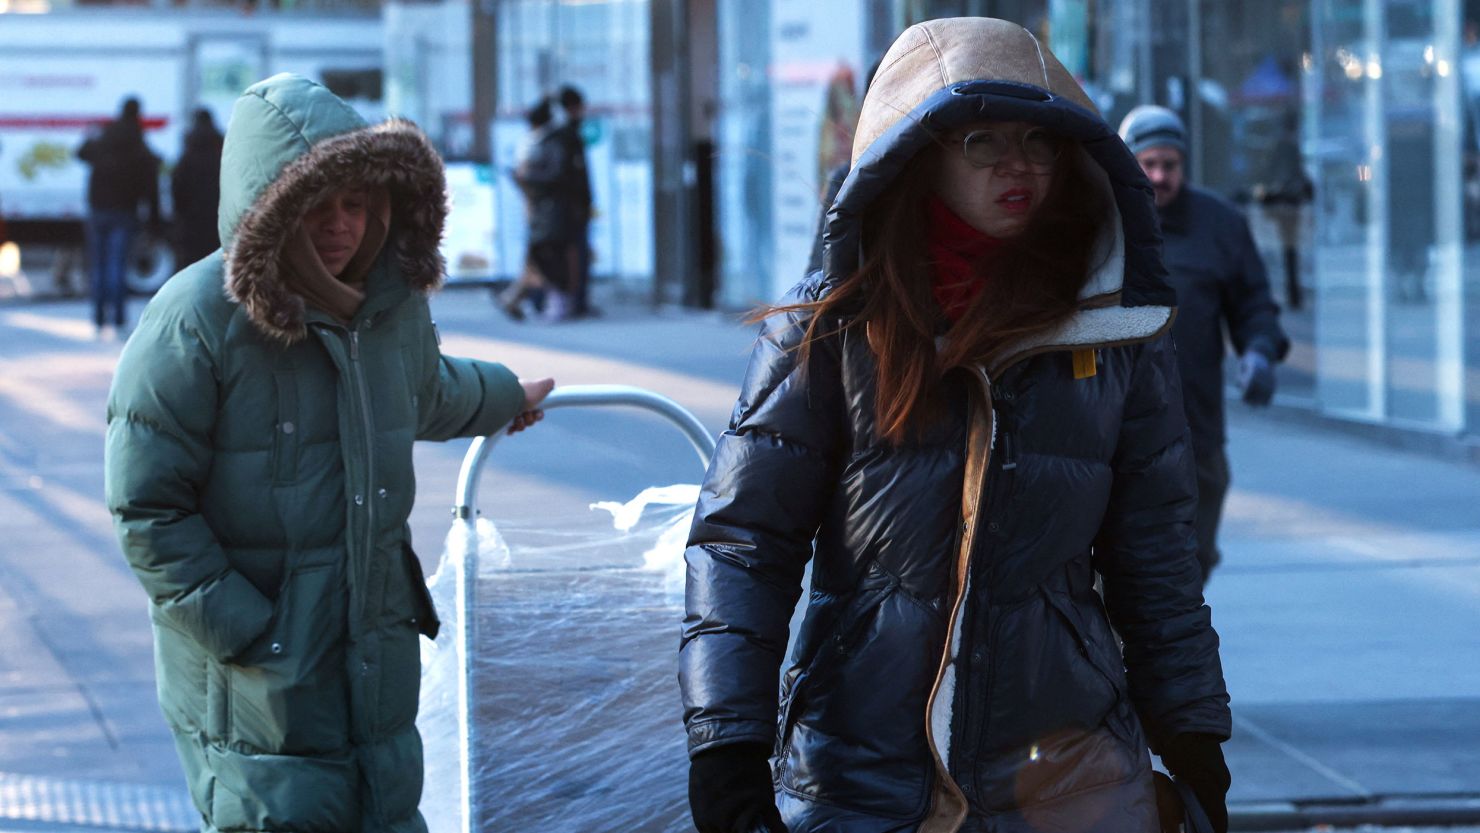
[[218, 701], [288, 693], [425, 617], [853, 729], [791, 685], [1092, 651], [1051, 729]]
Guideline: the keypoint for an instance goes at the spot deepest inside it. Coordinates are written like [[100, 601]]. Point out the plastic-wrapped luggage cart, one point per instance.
[[549, 700]]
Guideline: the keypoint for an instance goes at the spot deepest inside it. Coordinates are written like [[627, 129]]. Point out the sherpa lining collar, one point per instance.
[[395, 155]]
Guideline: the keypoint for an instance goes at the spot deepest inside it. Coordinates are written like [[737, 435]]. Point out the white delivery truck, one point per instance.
[[63, 74]]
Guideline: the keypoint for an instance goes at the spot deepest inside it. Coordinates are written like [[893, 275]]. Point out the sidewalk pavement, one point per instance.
[[1347, 601]]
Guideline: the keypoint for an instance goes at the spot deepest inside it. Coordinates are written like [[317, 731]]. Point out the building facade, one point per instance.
[[1346, 129]]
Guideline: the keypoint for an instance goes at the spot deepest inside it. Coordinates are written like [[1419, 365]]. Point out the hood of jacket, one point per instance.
[[941, 75], [291, 142]]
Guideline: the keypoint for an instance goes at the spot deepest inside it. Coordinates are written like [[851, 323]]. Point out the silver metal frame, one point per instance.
[[466, 510]]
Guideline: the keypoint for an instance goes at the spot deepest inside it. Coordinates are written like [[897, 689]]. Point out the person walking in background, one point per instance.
[[124, 178], [258, 466], [576, 191], [195, 190], [1284, 194], [539, 169], [1221, 283], [971, 412]]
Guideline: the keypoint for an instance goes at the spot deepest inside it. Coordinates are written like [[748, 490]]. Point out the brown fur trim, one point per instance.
[[394, 154]]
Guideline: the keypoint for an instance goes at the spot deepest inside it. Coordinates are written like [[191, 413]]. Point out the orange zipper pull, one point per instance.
[[1084, 364]]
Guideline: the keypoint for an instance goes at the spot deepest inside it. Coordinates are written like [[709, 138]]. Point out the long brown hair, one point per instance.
[[1034, 285]]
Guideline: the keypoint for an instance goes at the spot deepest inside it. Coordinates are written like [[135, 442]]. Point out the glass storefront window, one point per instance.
[[1247, 126], [1409, 114], [601, 47], [1346, 129], [1345, 151], [743, 168], [1469, 137]]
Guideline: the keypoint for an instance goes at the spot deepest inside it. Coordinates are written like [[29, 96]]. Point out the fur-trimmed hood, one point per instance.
[[289, 143], [943, 74]]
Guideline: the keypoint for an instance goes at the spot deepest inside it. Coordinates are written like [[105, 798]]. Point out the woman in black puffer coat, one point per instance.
[[971, 412]]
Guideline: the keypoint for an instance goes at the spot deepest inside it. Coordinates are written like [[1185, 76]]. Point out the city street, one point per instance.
[[1348, 601]]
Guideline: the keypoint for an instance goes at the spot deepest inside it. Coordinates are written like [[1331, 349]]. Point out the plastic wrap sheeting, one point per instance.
[[576, 717]]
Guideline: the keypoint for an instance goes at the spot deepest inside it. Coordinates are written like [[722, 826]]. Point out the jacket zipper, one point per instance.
[[968, 539], [362, 394], [979, 720], [362, 391]]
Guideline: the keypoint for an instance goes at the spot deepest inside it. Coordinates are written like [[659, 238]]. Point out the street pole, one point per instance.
[[1194, 88], [485, 77]]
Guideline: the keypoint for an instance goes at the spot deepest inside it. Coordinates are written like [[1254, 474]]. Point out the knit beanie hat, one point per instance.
[[1150, 126]]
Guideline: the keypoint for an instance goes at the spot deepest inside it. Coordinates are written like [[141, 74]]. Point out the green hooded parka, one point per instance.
[[259, 471]]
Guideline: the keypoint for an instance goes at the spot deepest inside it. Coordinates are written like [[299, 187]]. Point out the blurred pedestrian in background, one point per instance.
[[1284, 193], [576, 189], [259, 467], [1220, 280], [195, 190], [539, 169], [971, 412], [124, 178]]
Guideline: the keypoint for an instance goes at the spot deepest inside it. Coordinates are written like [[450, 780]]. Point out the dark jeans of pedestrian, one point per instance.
[[580, 274], [110, 236], [1212, 487]]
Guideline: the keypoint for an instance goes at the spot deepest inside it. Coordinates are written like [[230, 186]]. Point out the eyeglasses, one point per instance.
[[986, 148]]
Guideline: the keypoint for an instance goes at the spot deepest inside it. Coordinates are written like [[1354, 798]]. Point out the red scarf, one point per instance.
[[958, 255]]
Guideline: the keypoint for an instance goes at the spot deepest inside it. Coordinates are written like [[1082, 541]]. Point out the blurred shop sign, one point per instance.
[[468, 244]]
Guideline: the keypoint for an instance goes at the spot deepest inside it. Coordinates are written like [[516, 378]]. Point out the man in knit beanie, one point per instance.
[[1221, 283]]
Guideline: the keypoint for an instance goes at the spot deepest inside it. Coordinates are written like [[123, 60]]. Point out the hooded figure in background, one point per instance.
[[195, 189], [259, 468], [970, 414]]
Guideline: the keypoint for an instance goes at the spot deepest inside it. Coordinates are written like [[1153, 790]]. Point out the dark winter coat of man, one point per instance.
[[195, 189], [957, 672], [1221, 285], [123, 179], [259, 468], [539, 173]]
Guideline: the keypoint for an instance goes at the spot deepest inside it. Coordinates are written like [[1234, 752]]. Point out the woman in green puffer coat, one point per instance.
[[259, 467]]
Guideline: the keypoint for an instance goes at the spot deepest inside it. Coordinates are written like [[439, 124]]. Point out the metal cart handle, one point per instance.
[[584, 396]]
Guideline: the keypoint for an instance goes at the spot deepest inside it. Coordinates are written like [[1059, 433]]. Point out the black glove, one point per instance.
[[1197, 760], [730, 790], [1256, 378]]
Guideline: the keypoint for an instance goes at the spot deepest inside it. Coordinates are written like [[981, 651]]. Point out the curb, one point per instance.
[[1394, 434], [1389, 811]]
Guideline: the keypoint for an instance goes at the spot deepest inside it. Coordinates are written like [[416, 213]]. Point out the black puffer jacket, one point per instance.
[[955, 657]]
